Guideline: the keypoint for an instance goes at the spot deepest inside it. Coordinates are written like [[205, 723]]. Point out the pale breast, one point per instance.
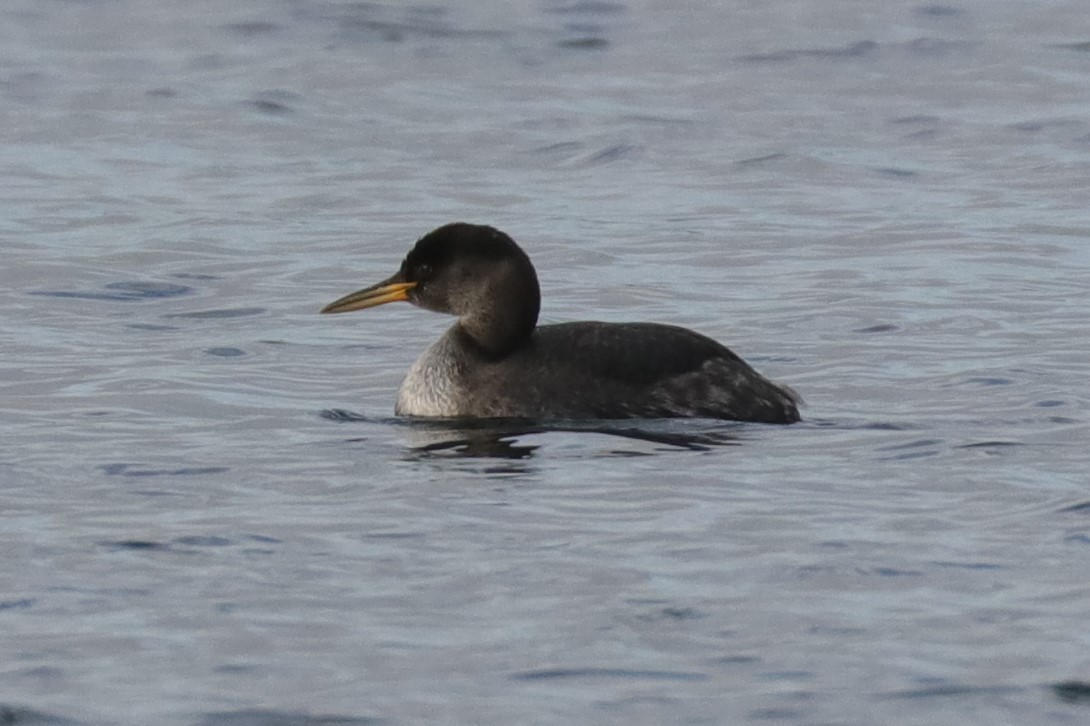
[[431, 386]]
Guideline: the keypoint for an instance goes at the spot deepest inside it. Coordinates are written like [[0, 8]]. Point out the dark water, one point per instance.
[[209, 515]]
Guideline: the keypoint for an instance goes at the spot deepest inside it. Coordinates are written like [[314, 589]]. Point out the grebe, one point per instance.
[[496, 362]]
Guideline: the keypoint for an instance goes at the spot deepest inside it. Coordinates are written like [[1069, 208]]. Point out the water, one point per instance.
[[211, 517]]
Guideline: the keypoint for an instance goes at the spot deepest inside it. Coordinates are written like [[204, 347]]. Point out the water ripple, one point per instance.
[[269, 717], [123, 292], [549, 674]]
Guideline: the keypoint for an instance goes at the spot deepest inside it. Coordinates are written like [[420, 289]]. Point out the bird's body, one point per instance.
[[495, 362]]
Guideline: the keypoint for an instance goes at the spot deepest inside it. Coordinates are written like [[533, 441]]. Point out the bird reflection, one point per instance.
[[502, 438]]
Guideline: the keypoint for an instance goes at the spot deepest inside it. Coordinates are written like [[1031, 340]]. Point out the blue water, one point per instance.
[[210, 515]]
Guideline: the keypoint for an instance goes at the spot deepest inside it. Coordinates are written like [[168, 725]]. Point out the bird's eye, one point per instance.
[[424, 271]]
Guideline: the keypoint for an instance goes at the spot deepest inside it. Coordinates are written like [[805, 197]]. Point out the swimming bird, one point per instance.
[[496, 362]]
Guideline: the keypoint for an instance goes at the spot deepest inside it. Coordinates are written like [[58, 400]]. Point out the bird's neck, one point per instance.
[[505, 323]]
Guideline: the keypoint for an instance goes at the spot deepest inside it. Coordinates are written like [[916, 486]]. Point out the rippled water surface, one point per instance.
[[210, 516]]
